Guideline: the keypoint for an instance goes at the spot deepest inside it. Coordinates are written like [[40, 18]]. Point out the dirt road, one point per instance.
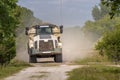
[[44, 71], [75, 45]]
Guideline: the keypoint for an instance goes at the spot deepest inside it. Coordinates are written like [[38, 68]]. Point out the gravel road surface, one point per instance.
[[44, 71]]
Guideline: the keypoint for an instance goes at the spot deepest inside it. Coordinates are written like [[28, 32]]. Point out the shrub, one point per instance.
[[110, 45]]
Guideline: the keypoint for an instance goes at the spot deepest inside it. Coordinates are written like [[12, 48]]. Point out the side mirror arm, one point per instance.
[[26, 30], [61, 29]]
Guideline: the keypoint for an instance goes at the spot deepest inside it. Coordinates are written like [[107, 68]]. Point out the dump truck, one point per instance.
[[44, 41]]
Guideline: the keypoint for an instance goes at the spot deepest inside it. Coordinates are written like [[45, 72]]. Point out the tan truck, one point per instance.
[[44, 41]]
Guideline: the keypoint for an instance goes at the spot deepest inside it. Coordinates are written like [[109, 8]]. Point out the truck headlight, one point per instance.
[[60, 45]]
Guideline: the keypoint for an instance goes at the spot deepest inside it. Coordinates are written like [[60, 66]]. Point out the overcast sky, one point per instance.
[[74, 12]]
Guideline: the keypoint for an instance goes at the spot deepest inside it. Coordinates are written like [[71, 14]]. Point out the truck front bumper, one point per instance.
[[46, 53]]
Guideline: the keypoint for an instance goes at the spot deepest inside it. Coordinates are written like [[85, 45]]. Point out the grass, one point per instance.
[[94, 59], [14, 67], [95, 73], [97, 69]]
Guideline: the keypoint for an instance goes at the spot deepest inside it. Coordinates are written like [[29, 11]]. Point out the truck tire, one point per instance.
[[32, 59], [58, 58]]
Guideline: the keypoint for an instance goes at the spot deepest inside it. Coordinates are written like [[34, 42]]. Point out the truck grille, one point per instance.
[[46, 46]]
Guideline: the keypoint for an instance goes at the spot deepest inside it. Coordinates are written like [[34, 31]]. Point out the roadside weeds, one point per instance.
[[14, 67]]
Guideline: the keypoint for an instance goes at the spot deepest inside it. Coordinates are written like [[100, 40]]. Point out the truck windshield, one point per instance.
[[44, 30]]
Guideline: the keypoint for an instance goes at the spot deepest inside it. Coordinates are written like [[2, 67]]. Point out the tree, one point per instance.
[[95, 29], [26, 19], [101, 24], [8, 24], [105, 31], [13, 19], [99, 12], [114, 6], [96, 13], [110, 45]]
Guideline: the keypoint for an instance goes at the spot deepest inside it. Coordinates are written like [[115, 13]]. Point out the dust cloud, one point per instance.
[[21, 47], [75, 45]]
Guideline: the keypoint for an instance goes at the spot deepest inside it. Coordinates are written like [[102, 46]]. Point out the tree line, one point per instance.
[[13, 20], [105, 29]]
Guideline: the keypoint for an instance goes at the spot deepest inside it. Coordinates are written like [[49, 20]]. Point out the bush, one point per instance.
[[110, 45], [7, 50], [8, 23], [17, 63]]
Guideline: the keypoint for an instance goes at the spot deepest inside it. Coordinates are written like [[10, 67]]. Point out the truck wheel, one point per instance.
[[32, 59], [58, 58]]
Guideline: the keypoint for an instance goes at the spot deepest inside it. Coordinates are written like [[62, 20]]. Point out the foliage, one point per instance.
[[95, 73], [95, 29], [110, 44], [13, 20], [26, 19], [114, 6], [12, 68], [8, 23], [99, 12]]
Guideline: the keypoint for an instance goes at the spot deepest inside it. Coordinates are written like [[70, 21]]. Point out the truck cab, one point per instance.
[[44, 41]]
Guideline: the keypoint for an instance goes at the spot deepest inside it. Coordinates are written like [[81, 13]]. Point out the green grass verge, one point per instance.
[[95, 73], [94, 59], [13, 67]]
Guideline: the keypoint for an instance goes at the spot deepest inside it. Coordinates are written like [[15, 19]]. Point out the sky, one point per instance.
[[65, 12]]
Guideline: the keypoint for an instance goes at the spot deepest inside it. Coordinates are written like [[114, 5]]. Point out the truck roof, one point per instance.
[[45, 25]]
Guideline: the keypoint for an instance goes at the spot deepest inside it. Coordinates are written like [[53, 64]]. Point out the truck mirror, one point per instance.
[[26, 30], [61, 29]]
